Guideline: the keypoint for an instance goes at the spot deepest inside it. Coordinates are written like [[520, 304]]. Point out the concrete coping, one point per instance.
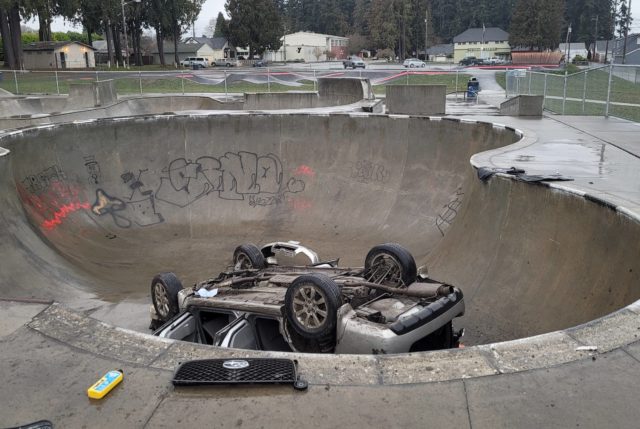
[[587, 341]]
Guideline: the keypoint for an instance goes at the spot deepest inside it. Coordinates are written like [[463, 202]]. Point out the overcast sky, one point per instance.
[[211, 8]]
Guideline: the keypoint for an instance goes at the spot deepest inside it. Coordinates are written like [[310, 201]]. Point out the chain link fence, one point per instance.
[[612, 90], [218, 80]]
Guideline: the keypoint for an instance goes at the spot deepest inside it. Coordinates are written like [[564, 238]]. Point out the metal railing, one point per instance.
[[612, 90], [219, 80]]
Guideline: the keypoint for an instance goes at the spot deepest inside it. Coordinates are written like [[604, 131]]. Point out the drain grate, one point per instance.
[[235, 371]]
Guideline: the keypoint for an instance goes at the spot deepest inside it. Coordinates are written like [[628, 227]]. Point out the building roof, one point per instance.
[[51, 46], [574, 47], [183, 48], [491, 34], [213, 42], [445, 49], [310, 33]]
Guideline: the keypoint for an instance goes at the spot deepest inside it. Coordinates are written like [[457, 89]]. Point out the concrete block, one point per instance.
[[416, 99], [92, 94], [523, 105]]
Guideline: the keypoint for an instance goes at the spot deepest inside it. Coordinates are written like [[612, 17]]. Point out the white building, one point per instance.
[[58, 55], [573, 50], [309, 47]]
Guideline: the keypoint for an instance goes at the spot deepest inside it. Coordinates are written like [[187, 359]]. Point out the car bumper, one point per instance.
[[359, 336]]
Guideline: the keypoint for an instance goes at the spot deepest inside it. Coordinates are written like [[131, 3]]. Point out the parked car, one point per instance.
[[226, 62], [261, 304], [413, 62], [261, 63], [469, 61], [353, 62], [194, 62]]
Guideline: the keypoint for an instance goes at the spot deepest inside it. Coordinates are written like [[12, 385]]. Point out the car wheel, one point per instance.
[[412, 66], [228, 64], [164, 295], [248, 256], [353, 67], [423, 65], [390, 263], [311, 305]]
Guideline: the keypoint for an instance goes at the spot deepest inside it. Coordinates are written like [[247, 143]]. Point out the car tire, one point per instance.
[[390, 263], [164, 295], [311, 306], [423, 65], [228, 64], [248, 256]]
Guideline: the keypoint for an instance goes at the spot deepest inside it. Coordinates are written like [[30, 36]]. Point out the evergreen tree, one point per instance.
[[537, 24], [222, 26], [255, 24]]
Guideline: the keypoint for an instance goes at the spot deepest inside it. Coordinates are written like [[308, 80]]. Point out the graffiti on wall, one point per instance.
[[368, 172], [49, 198], [235, 176], [446, 217]]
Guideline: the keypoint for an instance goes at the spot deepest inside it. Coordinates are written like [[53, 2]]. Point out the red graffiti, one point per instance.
[[300, 204], [305, 170], [62, 213]]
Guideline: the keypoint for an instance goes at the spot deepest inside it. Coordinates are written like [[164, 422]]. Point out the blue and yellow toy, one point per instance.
[[105, 384]]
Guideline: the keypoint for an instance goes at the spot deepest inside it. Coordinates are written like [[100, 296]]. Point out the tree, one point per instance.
[[537, 24], [254, 23], [222, 26]]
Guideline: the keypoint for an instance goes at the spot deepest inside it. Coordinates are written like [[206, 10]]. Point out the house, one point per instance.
[[601, 50], [481, 43], [192, 49], [572, 50], [58, 56], [440, 53], [633, 50], [306, 46], [219, 46]]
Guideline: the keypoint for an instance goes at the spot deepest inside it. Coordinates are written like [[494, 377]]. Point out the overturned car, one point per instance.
[[318, 307]]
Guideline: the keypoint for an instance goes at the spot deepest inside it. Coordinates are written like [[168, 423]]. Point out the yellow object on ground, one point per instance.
[[103, 386]]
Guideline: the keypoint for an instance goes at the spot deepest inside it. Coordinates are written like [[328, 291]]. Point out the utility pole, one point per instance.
[[626, 33], [426, 33]]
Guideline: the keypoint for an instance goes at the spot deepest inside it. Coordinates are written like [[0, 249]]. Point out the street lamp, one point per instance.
[[124, 27]]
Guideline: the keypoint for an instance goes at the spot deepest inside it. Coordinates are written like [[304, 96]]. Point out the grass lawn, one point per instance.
[[590, 85]]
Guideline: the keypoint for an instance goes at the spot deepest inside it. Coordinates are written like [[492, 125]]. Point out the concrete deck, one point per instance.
[[531, 259]]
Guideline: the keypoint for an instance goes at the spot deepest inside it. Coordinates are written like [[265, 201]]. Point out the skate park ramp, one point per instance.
[[92, 210]]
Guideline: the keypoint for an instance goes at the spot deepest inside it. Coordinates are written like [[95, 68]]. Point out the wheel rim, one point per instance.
[[385, 268], [162, 299], [310, 307], [243, 262]]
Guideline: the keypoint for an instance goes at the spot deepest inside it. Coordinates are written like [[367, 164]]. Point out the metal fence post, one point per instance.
[[315, 81], [564, 95], [530, 77], [544, 91], [584, 91], [268, 80], [15, 79], [182, 83], [457, 71], [57, 83], [226, 94], [97, 78], [140, 80], [606, 111]]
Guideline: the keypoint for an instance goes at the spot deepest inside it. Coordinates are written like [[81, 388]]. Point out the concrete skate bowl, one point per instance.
[[100, 207]]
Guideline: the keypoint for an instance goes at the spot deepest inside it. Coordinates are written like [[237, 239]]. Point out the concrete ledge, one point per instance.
[[416, 99], [92, 94], [523, 105], [543, 351]]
